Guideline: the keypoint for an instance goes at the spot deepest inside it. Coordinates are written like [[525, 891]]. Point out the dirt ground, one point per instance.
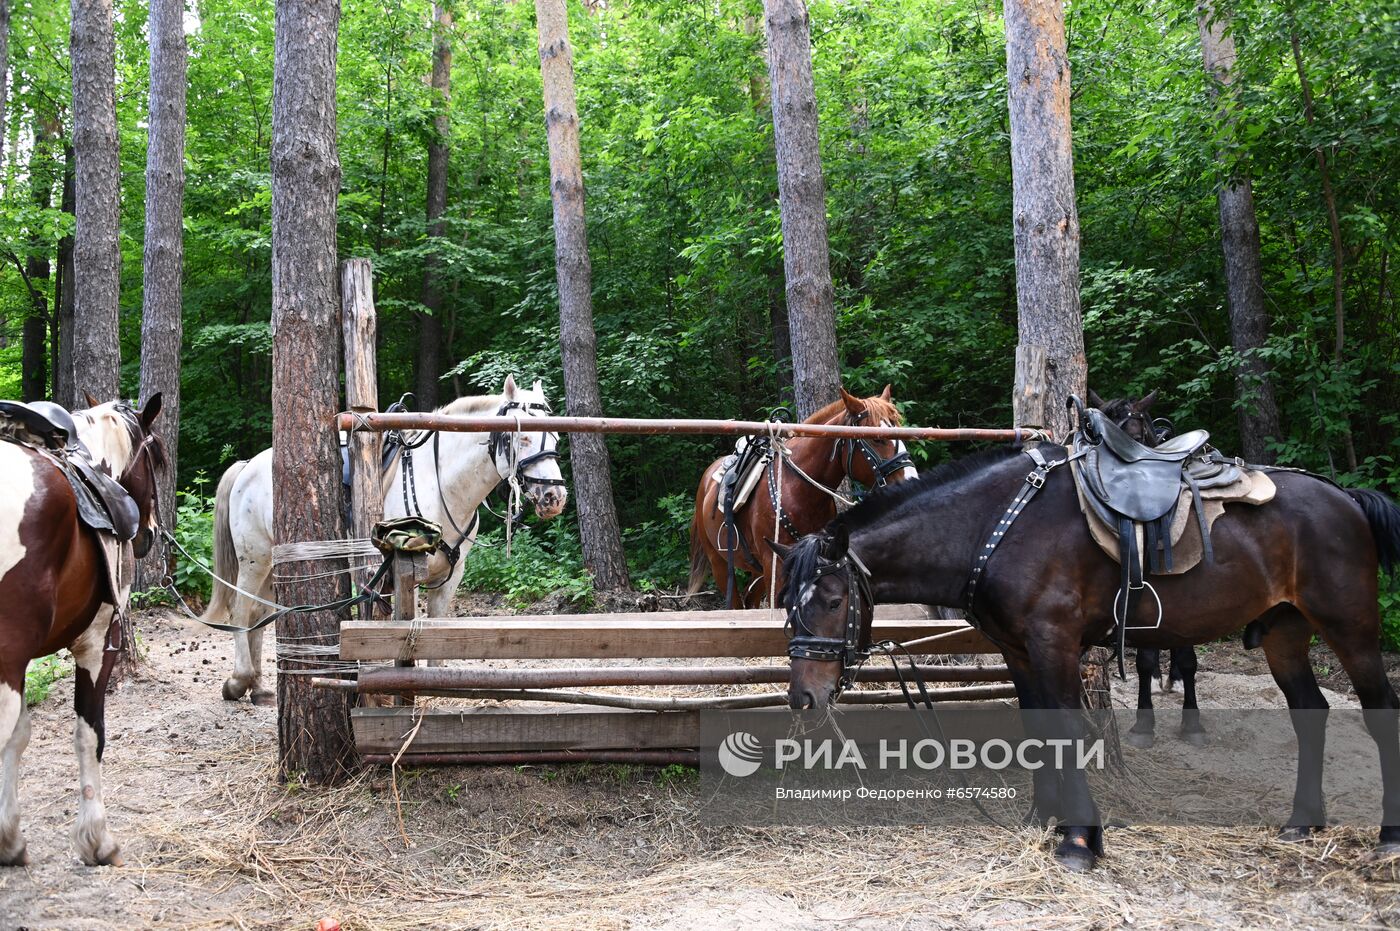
[[211, 840]]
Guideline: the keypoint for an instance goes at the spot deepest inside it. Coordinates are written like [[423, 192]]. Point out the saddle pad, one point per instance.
[[746, 483], [1251, 488]]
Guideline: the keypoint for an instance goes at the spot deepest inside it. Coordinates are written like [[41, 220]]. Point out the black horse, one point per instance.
[[1134, 417], [1048, 592]]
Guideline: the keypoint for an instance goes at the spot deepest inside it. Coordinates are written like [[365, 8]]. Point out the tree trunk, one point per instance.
[[313, 730], [1239, 234], [1050, 361], [1046, 223], [1334, 226], [34, 363], [597, 512], [161, 325], [65, 390], [816, 371], [439, 150], [96, 257]]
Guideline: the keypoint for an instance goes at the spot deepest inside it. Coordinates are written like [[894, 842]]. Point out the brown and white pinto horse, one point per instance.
[[55, 593], [805, 509]]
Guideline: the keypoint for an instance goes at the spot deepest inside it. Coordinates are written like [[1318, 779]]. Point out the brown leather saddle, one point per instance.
[[103, 504]]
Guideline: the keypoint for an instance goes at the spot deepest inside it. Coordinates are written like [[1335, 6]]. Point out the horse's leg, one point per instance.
[[1149, 665], [247, 647], [261, 695], [1356, 648], [94, 662], [1184, 660], [14, 737], [1056, 667], [1045, 786], [1286, 648]]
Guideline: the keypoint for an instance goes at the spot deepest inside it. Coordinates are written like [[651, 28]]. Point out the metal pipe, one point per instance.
[[526, 757], [418, 679], [633, 425]]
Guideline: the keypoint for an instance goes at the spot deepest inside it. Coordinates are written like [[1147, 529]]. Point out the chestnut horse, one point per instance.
[[55, 592], [1304, 565], [805, 508]]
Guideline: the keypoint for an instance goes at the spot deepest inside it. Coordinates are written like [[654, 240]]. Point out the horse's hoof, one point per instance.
[[233, 689], [264, 698], [19, 857], [109, 854], [1075, 858], [1196, 739], [1296, 833], [1140, 740]]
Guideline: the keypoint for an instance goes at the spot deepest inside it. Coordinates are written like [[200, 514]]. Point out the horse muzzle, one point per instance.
[[550, 503], [141, 543]]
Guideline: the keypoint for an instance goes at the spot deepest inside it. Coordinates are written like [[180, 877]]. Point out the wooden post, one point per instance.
[[361, 397], [409, 569]]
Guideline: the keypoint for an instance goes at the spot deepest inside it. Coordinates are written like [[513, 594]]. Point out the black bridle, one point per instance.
[[883, 468], [848, 649], [501, 445]]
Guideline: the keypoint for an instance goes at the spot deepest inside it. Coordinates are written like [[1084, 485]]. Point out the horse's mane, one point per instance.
[[883, 500], [881, 411], [800, 566], [476, 404]]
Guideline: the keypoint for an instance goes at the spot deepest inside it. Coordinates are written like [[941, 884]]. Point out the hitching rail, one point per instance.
[[461, 423]]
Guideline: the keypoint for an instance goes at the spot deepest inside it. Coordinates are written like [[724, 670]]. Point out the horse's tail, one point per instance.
[[699, 563], [1383, 515], [225, 557]]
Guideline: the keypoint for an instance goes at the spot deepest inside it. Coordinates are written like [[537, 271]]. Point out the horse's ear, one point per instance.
[[510, 388], [1142, 406], [1095, 400], [854, 405], [149, 412], [90, 400], [538, 387], [885, 395], [782, 549]]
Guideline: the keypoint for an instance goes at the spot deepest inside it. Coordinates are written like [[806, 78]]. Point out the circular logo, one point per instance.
[[741, 754]]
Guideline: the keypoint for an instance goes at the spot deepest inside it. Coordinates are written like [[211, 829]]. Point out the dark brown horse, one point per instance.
[[805, 507], [56, 592], [1304, 565], [1133, 415]]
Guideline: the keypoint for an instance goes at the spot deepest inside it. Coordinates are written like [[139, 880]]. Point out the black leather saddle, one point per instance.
[[103, 504]]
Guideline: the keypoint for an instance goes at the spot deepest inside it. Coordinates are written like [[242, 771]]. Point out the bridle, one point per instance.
[[501, 446], [143, 452], [860, 613], [883, 468]]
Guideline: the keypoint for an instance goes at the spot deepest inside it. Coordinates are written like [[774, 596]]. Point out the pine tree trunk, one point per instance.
[[588, 452], [430, 323], [34, 364], [314, 737], [1239, 234], [96, 257], [65, 391], [161, 325], [816, 371], [1050, 361]]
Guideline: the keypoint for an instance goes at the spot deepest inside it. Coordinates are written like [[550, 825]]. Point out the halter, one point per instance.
[[499, 445], [883, 468], [860, 612]]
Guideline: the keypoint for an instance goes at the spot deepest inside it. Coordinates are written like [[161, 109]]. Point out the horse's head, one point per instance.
[[829, 613], [1132, 417], [122, 440], [874, 462], [530, 458]]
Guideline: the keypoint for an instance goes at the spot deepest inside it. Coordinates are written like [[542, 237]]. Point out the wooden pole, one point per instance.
[[361, 397], [632, 425]]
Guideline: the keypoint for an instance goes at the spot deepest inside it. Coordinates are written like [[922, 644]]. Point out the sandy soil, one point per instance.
[[212, 841]]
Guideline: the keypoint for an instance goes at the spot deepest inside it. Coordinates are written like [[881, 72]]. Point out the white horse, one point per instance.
[[445, 480]]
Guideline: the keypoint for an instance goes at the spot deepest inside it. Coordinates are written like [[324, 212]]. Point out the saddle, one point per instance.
[[1136, 490], [103, 504]]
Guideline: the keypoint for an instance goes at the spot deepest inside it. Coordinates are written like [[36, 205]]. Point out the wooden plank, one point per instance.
[[617, 636], [567, 727], [361, 397]]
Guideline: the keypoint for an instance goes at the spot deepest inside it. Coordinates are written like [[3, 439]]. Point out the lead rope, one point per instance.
[[513, 506]]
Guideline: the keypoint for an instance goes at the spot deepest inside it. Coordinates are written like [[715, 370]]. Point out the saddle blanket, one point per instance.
[[1252, 488]]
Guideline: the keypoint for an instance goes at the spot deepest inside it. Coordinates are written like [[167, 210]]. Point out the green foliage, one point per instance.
[[41, 675], [543, 560], [194, 529]]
